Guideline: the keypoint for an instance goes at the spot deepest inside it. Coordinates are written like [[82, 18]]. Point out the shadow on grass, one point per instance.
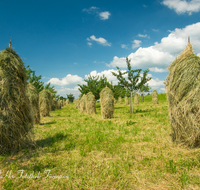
[[51, 140], [52, 122]]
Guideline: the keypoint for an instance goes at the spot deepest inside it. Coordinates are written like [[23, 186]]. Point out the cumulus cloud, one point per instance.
[[143, 36], [183, 6], [157, 70], [124, 46], [162, 54], [104, 15], [63, 91], [100, 40], [136, 43], [92, 9], [68, 80]]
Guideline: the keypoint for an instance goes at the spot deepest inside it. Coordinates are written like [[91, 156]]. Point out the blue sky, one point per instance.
[[65, 40]]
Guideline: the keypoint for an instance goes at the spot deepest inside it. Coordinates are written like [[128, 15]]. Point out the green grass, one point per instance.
[[81, 151]]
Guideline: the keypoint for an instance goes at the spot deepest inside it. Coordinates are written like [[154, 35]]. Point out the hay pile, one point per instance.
[[115, 101], [90, 103], [136, 98], [120, 100], [34, 102], [54, 104], [183, 93], [107, 103], [155, 97], [16, 121], [126, 100], [83, 103], [45, 102], [67, 101], [59, 104]]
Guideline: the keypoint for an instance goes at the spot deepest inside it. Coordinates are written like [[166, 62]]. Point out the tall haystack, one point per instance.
[[45, 102], [120, 100], [136, 98], [83, 103], [16, 121], [155, 97], [78, 103], [59, 104], [126, 100], [107, 103], [90, 103], [34, 102], [67, 101], [183, 93], [54, 104]]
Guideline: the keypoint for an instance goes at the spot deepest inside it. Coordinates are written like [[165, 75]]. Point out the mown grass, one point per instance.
[[129, 151]]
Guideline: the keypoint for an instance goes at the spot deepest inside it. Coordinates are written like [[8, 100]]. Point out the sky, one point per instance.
[[65, 41]]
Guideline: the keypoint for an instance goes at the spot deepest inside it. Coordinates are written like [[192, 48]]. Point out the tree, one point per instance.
[[70, 97], [143, 89], [132, 83], [94, 85]]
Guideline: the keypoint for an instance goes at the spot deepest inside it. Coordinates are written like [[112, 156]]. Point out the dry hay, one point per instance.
[[83, 103], [183, 93], [107, 103], [115, 101], [16, 122], [78, 103], [54, 104], [155, 97], [59, 104], [45, 102], [136, 98], [120, 100], [67, 101], [34, 102], [90, 103], [126, 100]]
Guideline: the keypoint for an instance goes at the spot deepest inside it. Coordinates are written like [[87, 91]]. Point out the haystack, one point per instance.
[[90, 103], [107, 103], [120, 100], [115, 101], [67, 101], [136, 98], [34, 102], [16, 121], [83, 103], [54, 104], [155, 97], [126, 100], [45, 102], [59, 104], [183, 93]]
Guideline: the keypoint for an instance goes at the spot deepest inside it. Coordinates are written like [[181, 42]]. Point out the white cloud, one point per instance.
[[68, 80], [100, 40], [89, 43], [183, 6], [198, 54], [104, 15], [162, 54], [142, 36], [63, 91], [157, 70], [136, 43], [124, 46], [92, 9]]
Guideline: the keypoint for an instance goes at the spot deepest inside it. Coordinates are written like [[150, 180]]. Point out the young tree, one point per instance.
[[132, 83], [143, 89], [70, 97]]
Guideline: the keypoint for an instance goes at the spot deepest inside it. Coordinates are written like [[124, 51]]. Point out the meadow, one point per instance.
[[80, 151]]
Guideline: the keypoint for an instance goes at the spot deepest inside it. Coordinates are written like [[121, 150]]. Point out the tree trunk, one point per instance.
[[131, 104]]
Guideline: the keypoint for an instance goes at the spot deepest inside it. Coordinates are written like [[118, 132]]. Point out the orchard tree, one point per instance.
[[132, 83], [70, 97], [143, 89]]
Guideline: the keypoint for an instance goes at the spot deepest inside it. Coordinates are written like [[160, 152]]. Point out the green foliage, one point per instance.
[[70, 97], [94, 85]]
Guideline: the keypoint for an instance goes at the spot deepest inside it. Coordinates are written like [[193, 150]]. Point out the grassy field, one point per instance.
[[81, 151]]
